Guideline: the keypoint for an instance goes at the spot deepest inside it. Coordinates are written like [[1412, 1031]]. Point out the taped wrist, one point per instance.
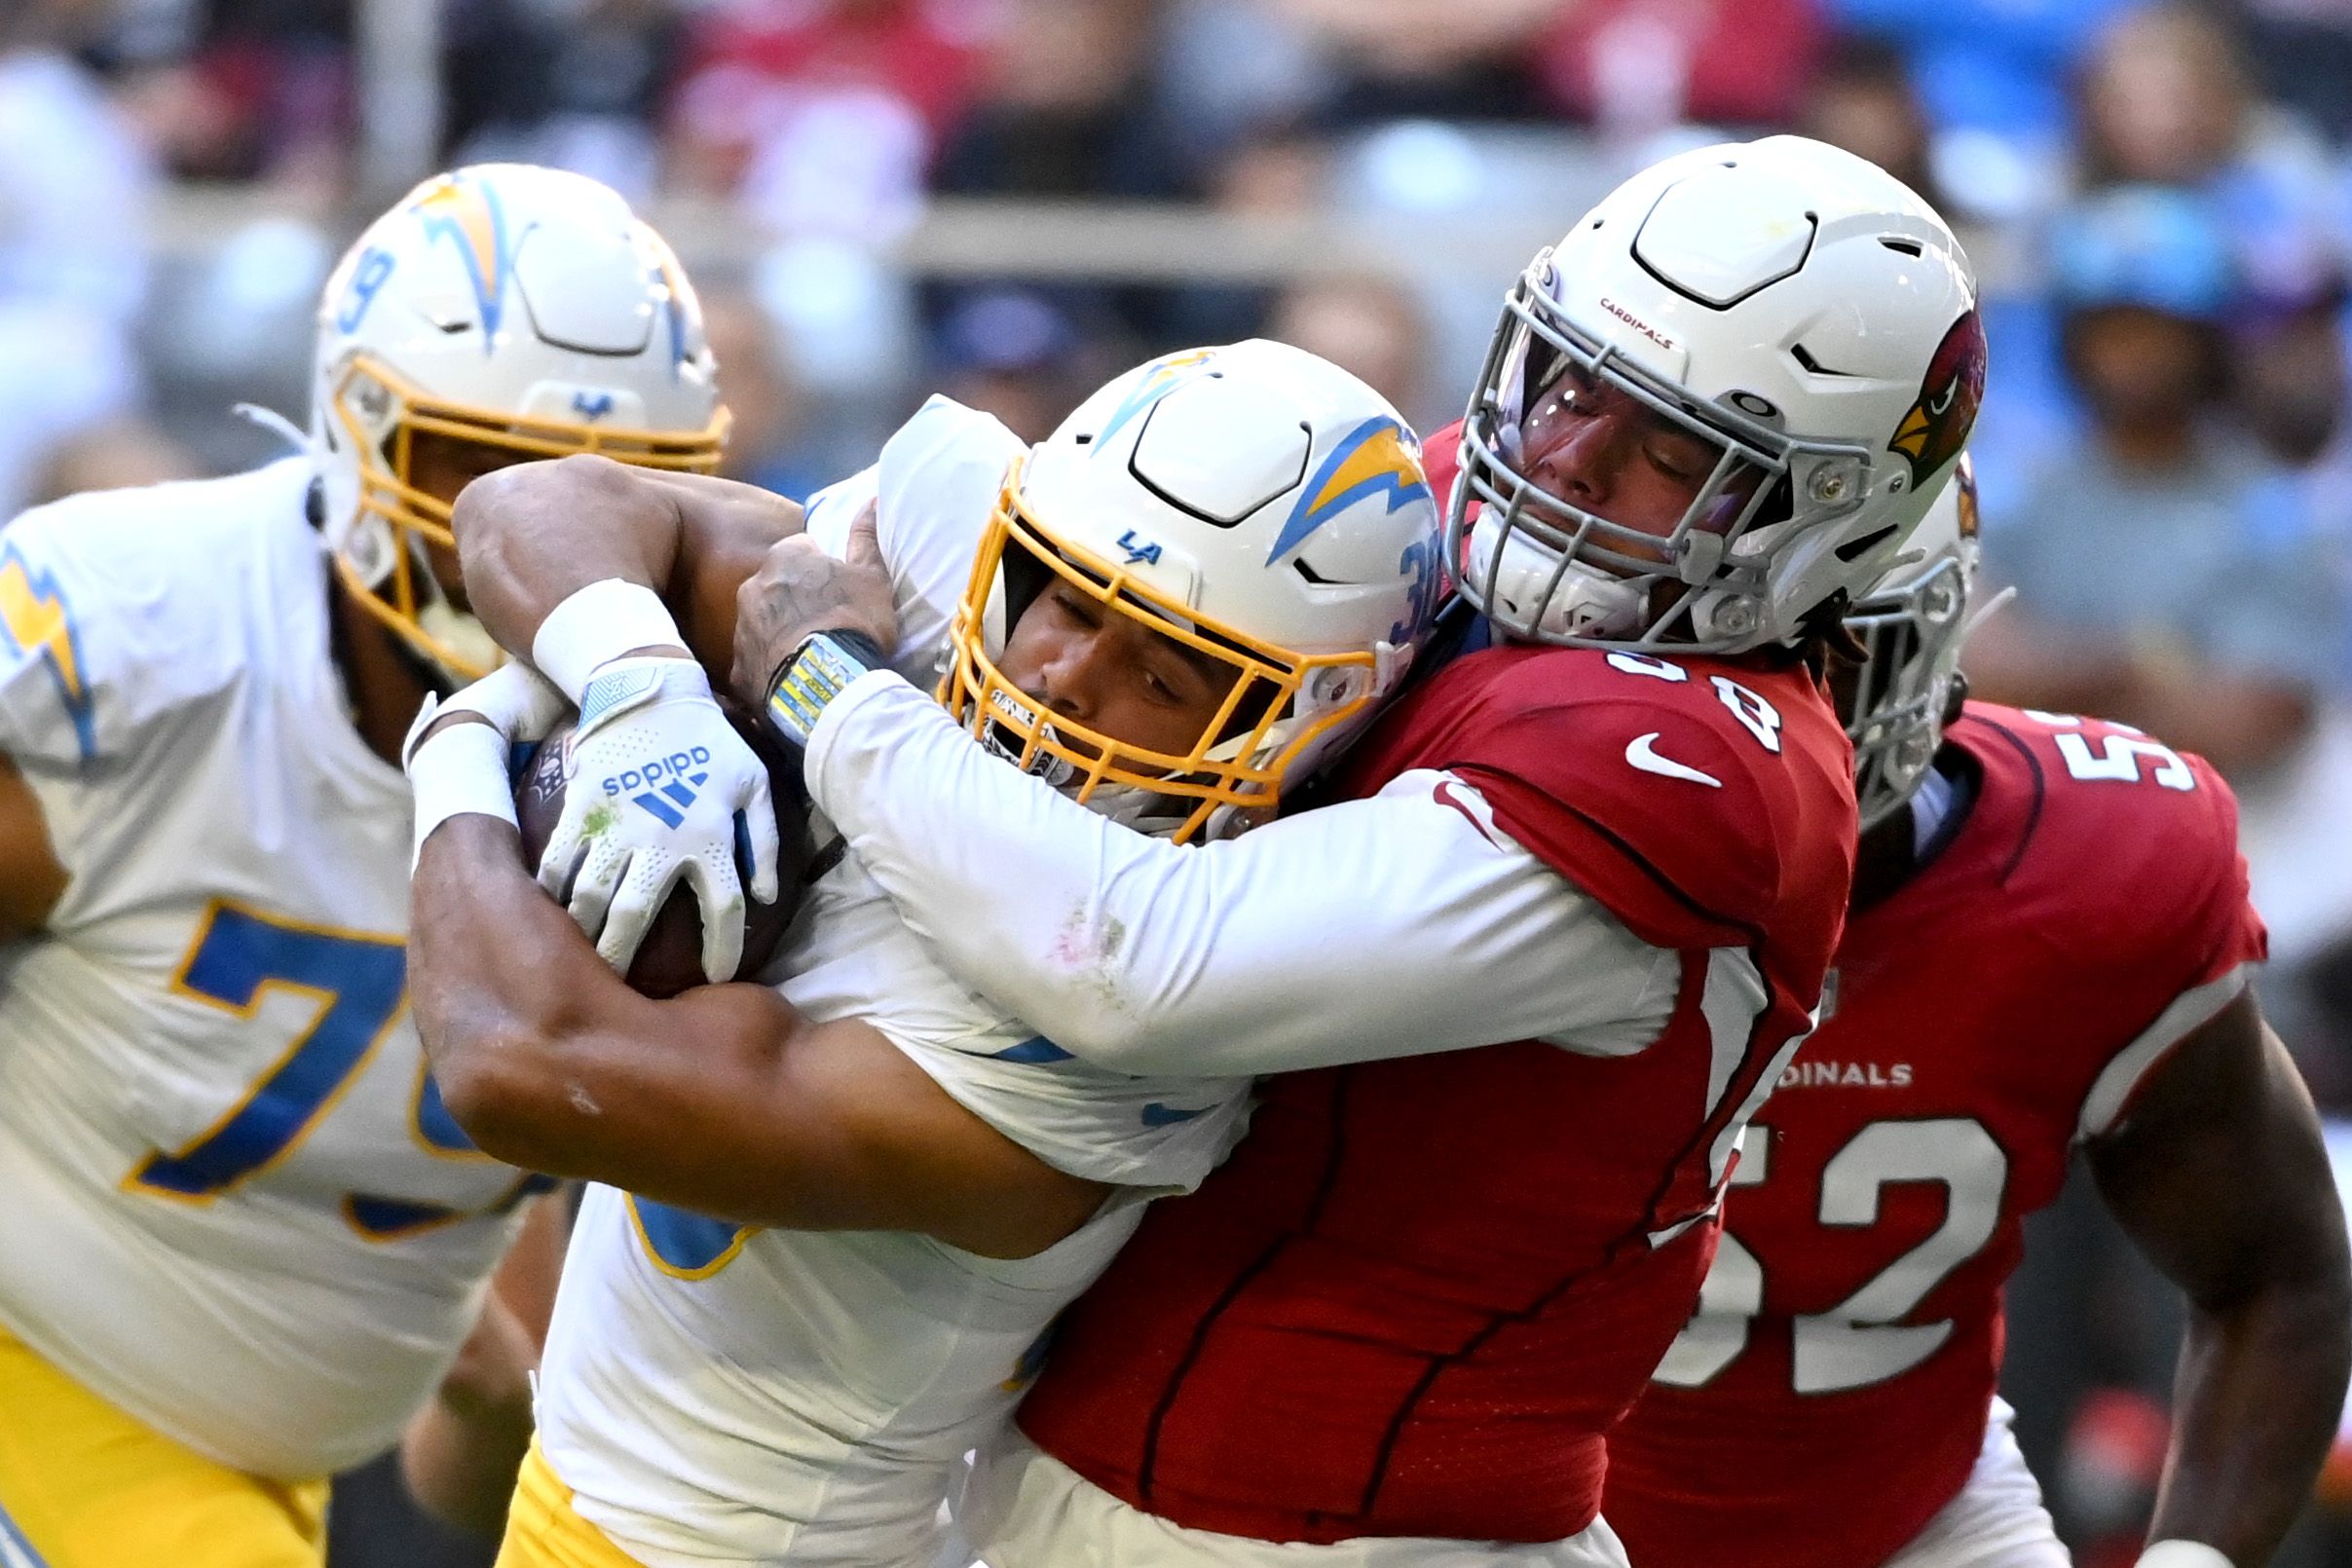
[[456, 772], [816, 674], [594, 626]]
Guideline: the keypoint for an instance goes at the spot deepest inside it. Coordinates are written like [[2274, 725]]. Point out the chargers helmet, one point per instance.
[[1911, 624], [1257, 504], [1796, 308], [513, 307]]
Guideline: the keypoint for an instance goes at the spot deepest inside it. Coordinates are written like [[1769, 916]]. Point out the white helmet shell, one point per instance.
[[1793, 305], [508, 306], [1258, 502]]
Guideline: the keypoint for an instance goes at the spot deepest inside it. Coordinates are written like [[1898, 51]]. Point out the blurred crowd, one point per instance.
[[2158, 198]]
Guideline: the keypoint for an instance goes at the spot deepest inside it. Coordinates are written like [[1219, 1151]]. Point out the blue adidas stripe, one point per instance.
[[662, 809]]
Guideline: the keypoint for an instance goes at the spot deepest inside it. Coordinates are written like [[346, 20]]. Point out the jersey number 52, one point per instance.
[[1863, 1341]]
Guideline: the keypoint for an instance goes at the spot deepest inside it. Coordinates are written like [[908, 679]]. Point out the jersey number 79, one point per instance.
[[361, 983]]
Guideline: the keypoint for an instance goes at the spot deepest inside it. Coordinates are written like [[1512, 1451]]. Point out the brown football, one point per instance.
[[670, 959]]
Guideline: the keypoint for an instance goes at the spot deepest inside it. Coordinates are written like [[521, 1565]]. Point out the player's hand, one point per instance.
[[457, 751], [800, 591], [515, 699], [659, 789]]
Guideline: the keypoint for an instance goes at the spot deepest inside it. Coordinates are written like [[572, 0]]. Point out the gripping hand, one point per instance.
[[659, 789]]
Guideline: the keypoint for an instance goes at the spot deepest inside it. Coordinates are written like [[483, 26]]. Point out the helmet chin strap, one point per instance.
[[1581, 602]]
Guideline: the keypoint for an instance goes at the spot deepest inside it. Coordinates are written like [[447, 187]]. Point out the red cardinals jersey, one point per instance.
[[1830, 1396], [1422, 1290]]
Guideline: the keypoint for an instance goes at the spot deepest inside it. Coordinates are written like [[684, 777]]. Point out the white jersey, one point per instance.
[[235, 1205], [712, 1394]]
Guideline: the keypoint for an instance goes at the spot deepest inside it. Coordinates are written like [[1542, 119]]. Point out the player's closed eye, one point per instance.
[[1077, 606]]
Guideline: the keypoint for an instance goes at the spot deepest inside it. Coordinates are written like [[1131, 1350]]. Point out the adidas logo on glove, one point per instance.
[[645, 785]]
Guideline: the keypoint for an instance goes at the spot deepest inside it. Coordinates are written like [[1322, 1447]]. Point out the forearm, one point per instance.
[[550, 1061], [2221, 1177], [721, 1100], [2256, 1398], [461, 1466], [532, 535], [1369, 929]]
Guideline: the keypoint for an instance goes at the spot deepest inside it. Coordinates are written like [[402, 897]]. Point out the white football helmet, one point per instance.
[[1912, 624], [1797, 309], [1254, 503], [510, 306]]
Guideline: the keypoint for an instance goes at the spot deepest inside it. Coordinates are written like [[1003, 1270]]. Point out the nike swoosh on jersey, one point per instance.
[[1642, 753]]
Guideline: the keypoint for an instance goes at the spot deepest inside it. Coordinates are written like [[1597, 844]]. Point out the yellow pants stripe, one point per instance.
[[544, 1531], [85, 1485]]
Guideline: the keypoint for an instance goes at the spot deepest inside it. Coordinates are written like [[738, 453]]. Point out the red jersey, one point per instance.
[[1831, 1394], [1422, 1290]]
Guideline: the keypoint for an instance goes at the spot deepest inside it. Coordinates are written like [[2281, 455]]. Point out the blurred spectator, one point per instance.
[[1373, 329], [2167, 573], [825, 115], [2302, 50], [1862, 99], [1639, 66], [575, 84], [764, 445], [1018, 354], [119, 454], [74, 190], [1064, 107], [1995, 65], [267, 94], [1462, 59]]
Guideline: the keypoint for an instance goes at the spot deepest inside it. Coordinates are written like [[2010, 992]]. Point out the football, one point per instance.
[[670, 959]]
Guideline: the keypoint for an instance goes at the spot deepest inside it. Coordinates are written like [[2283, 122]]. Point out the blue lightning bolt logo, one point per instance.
[[1379, 455]]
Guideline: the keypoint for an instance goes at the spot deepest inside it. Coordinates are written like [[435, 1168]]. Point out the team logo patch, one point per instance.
[[1937, 427], [1140, 552], [1155, 384], [35, 624], [1378, 457], [466, 213]]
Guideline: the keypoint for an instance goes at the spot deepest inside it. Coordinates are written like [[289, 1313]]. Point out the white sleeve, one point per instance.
[[934, 488], [1390, 926]]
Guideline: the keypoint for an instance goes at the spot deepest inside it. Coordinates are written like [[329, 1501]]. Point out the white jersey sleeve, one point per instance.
[[934, 488], [107, 657], [1390, 926]]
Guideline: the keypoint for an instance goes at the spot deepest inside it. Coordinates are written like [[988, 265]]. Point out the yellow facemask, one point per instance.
[[417, 610], [1243, 751]]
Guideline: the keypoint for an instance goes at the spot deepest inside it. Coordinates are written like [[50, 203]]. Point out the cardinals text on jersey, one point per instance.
[[1423, 1290], [1830, 1397], [711, 1391], [236, 1209]]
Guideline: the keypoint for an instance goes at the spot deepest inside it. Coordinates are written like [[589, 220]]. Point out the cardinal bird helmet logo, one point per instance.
[[1937, 427]]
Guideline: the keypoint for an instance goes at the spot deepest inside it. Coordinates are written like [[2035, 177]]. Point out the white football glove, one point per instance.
[[659, 787]]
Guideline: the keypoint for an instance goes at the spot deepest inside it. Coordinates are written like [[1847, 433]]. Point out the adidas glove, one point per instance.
[[659, 789]]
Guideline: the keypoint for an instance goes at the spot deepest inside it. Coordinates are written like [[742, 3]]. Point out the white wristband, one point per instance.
[[597, 624], [2182, 1555], [460, 769]]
